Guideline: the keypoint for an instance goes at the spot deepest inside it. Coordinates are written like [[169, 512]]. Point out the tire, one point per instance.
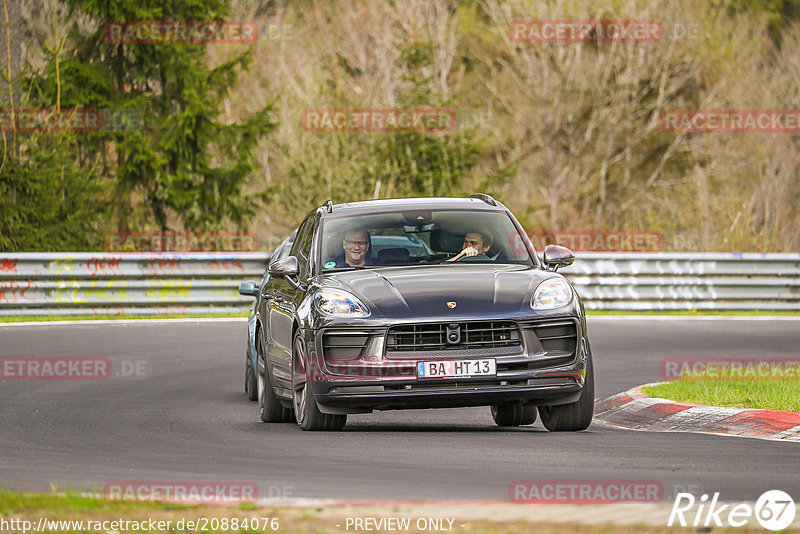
[[575, 415], [513, 414], [250, 383], [269, 407], [306, 411]]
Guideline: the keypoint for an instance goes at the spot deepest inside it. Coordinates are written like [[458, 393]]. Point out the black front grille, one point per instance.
[[477, 336]]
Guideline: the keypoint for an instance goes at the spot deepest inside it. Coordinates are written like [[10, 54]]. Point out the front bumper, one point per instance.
[[333, 398], [377, 382]]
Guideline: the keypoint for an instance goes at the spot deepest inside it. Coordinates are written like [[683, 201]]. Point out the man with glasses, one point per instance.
[[356, 245]]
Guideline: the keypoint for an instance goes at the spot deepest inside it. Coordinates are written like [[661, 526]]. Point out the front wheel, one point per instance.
[[575, 415], [306, 411], [513, 414]]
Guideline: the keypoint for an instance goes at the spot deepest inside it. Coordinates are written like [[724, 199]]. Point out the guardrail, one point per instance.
[[687, 281], [176, 283], [126, 283]]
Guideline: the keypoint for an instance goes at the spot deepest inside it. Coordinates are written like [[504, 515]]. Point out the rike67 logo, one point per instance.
[[774, 510]]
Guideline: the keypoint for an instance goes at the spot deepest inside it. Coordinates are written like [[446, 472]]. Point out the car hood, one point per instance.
[[425, 291]]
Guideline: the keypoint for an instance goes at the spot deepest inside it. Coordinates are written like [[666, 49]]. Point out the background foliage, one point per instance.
[[567, 135]]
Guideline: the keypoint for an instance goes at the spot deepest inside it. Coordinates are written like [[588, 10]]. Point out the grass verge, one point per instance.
[[90, 510], [759, 394]]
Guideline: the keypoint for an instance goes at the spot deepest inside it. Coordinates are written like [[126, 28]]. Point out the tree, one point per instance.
[[177, 163], [399, 70], [51, 196]]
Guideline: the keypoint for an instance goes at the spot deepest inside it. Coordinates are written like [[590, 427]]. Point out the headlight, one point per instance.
[[552, 293], [340, 303]]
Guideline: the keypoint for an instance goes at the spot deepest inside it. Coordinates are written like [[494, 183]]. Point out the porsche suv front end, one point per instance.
[[469, 316]]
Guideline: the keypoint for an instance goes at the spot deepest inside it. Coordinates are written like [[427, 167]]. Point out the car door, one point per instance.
[[282, 251], [283, 300]]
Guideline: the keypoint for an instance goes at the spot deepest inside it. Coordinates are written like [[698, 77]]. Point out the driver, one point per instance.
[[356, 245], [476, 245]]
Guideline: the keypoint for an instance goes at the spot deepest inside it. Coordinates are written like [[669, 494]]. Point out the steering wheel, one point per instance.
[[479, 258]]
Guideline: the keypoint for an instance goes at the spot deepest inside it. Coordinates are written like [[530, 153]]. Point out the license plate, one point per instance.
[[456, 368]]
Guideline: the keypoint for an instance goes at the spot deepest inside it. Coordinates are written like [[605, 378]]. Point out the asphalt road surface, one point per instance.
[[186, 419]]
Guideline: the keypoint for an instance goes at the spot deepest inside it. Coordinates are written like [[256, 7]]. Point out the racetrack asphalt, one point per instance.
[[187, 419]]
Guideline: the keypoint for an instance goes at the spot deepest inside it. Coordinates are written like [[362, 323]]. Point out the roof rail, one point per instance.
[[329, 206], [486, 198]]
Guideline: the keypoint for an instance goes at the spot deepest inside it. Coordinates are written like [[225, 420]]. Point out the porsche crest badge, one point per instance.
[[451, 304]]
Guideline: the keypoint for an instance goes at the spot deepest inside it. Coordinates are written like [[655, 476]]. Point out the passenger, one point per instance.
[[476, 245]]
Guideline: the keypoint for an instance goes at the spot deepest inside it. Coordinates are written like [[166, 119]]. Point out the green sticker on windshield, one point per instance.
[[330, 265]]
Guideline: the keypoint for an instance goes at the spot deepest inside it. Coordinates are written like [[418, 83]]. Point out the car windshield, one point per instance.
[[421, 237]]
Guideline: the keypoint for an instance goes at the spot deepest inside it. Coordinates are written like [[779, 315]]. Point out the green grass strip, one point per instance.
[[15, 502], [781, 395], [73, 505]]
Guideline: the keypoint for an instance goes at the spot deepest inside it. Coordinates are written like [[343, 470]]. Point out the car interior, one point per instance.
[[387, 248]]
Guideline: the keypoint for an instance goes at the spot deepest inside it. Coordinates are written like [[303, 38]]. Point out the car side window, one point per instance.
[[285, 250], [300, 234], [286, 247], [302, 246]]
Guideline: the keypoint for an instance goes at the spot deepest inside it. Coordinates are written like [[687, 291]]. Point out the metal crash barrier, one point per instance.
[[687, 281], [207, 283], [126, 283]]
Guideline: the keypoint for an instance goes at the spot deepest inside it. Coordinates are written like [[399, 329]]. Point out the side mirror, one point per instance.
[[288, 269], [284, 267], [248, 289], [556, 256]]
